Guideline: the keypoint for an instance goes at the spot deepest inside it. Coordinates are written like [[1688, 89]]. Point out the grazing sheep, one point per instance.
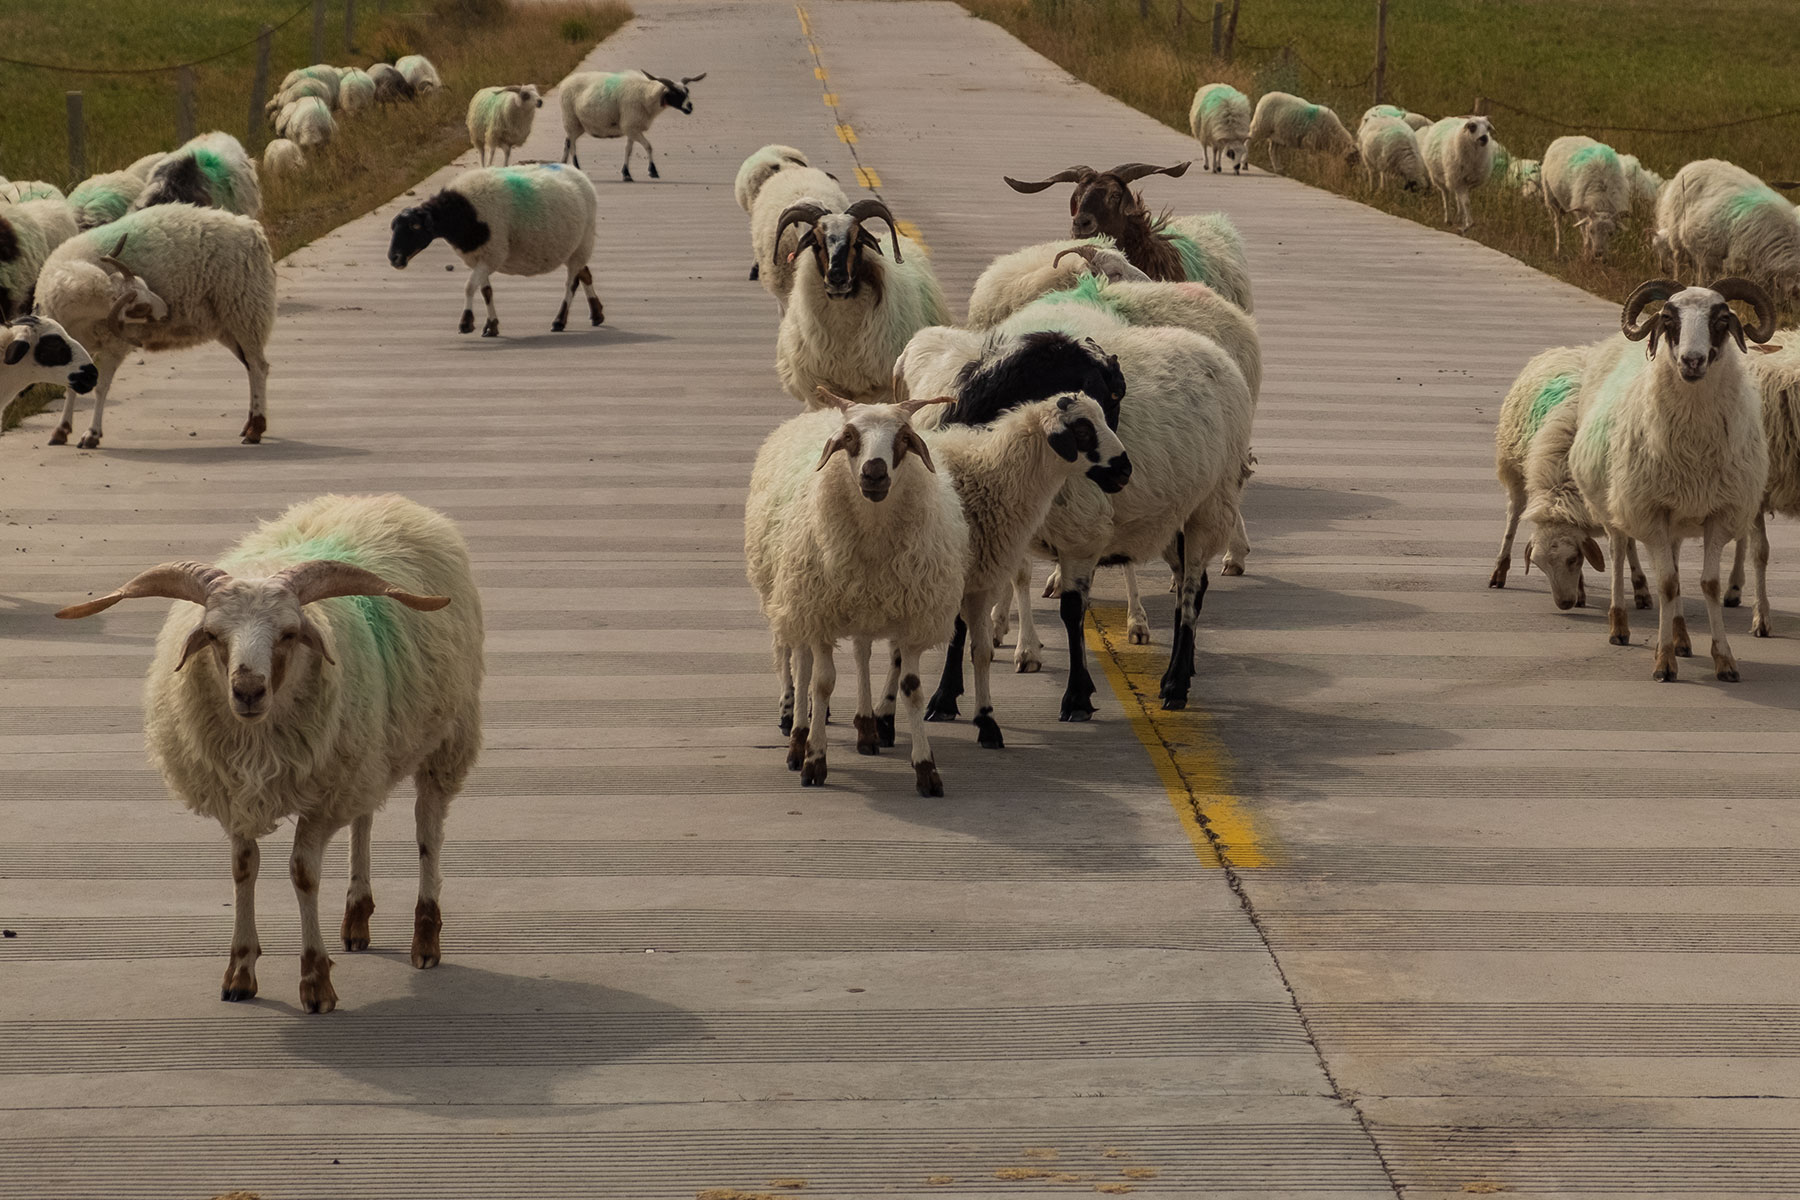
[[102, 199], [310, 124], [143, 167], [301, 89], [1526, 177], [324, 74], [1673, 447], [1459, 155], [1719, 217], [417, 70], [772, 248], [210, 171], [1220, 121], [164, 278], [871, 547], [1777, 376], [1414, 121], [282, 159], [312, 683], [1283, 119], [1014, 280], [38, 350], [500, 119], [29, 233], [623, 104], [509, 221], [1584, 179], [391, 86], [760, 167], [356, 92], [852, 311], [1390, 147], [24, 192]]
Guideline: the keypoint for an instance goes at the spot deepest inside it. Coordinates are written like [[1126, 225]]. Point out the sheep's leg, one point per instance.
[[1137, 620], [1618, 627], [1683, 647], [1712, 548], [1238, 549], [1640, 583], [596, 314], [1463, 212], [1000, 616], [316, 993], [109, 366], [1759, 559], [485, 276], [1734, 588], [1274, 163], [890, 692], [1515, 508], [868, 740], [1028, 651], [803, 706], [246, 948], [467, 324], [435, 783], [950, 685], [1444, 195], [257, 423], [978, 611], [1077, 701], [630, 145], [359, 904], [924, 766], [562, 314], [1179, 677], [1662, 562], [824, 678], [649, 153], [784, 669], [509, 151]]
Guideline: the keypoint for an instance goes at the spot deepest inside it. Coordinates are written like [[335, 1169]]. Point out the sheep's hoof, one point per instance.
[[1665, 671], [884, 729], [467, 324], [89, 441], [1232, 567], [987, 732], [253, 429], [1137, 632], [943, 706], [60, 435], [1028, 664], [240, 975], [491, 329], [1683, 647], [1076, 710], [1733, 598], [355, 930], [927, 778], [755, 272], [1759, 623], [316, 992], [1641, 599], [868, 739], [626, 175], [797, 748], [428, 923], [787, 724], [558, 325], [812, 772], [596, 314], [1724, 666]]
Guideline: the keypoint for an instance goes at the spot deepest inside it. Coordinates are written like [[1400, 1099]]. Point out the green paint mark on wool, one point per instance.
[[1545, 402], [1747, 202], [377, 612], [1220, 98], [1091, 290], [611, 86], [1388, 110], [1599, 152], [521, 189], [1194, 263]]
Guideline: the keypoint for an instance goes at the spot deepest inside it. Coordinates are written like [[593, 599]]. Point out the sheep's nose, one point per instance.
[[1084, 226], [1693, 366], [247, 695], [1565, 605]]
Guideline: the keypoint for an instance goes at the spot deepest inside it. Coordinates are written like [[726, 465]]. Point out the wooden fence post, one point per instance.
[[77, 138], [318, 41], [184, 104], [259, 88], [1380, 49], [1231, 31], [1180, 13], [1218, 30], [349, 26]]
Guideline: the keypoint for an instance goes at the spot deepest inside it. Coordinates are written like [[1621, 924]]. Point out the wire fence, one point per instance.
[[305, 7]]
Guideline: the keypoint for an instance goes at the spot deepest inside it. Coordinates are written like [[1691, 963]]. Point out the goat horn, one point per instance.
[[833, 400], [1127, 172], [807, 212], [1646, 294], [1086, 251], [326, 579], [1736, 287], [909, 407], [1066, 175], [175, 580], [687, 79], [113, 258], [864, 209]]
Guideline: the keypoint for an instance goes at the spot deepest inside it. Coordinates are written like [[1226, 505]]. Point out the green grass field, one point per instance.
[[1650, 63]]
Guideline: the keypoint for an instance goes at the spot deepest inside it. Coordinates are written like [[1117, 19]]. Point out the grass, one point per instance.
[[1655, 64], [376, 156]]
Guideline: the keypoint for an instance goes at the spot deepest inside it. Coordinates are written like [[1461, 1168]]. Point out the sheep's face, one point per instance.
[[252, 633], [1695, 323], [1596, 232], [1101, 204], [875, 440], [1237, 155], [47, 354], [1479, 130], [1075, 426], [1559, 551], [133, 303], [677, 97], [837, 241], [414, 230]]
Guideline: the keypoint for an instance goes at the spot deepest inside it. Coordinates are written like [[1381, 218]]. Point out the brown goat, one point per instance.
[[1103, 203]]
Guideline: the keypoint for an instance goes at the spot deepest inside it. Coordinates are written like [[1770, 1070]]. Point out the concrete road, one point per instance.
[[1437, 893]]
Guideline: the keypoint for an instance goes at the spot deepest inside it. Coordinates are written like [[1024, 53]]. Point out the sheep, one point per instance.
[[1414, 121], [310, 124], [356, 91], [870, 547], [283, 159], [29, 234], [759, 168], [1204, 248], [851, 311], [511, 221], [1674, 448], [1526, 177], [1014, 280], [417, 70], [312, 683], [143, 167], [164, 278], [620, 105], [25, 191], [1719, 217], [38, 350], [211, 171], [1500, 165], [1220, 121], [1390, 147], [1777, 376], [102, 199], [1645, 183], [391, 86], [500, 119], [772, 249], [324, 74], [1458, 154], [1283, 119], [1584, 179], [301, 89]]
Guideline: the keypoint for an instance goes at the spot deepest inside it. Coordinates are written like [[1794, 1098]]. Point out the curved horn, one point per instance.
[[1085, 251], [1736, 287], [1066, 175], [909, 407], [863, 209], [687, 79], [807, 212], [1127, 172], [174, 580], [326, 579], [1645, 294], [833, 400], [112, 260]]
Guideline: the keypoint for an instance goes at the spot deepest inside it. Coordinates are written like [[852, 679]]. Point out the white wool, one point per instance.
[[1586, 180], [759, 167], [1390, 147], [1459, 156], [1283, 119], [500, 119], [779, 193], [36, 228], [1219, 119]]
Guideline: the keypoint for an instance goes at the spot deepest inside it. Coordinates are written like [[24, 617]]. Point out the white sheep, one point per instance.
[[356, 91], [101, 199], [1390, 147], [1645, 183], [282, 159], [500, 119], [29, 233], [524, 220], [211, 171], [760, 167], [391, 86], [321, 672], [1283, 119], [1777, 376], [1672, 447], [1584, 179], [301, 89], [164, 278], [25, 191], [1526, 177], [772, 245], [1414, 121], [143, 167], [1713, 217], [852, 310], [1011, 281], [1459, 156], [418, 72], [1220, 121], [872, 545], [38, 350], [309, 124], [620, 104], [324, 74]]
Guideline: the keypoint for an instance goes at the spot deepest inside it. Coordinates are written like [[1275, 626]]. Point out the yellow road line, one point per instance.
[[846, 134], [821, 73], [1184, 748], [830, 99], [867, 177], [805, 20]]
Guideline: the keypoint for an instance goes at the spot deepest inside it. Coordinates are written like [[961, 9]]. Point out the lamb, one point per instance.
[[1719, 217], [870, 547], [1459, 155], [211, 171], [1220, 121], [356, 91], [510, 221], [25, 191], [1645, 183], [282, 159], [418, 72], [1205, 248], [1014, 280], [391, 86], [29, 233], [500, 119], [309, 125], [1674, 448], [38, 350], [312, 683], [102, 199], [1283, 119], [760, 167], [851, 311], [620, 105], [143, 167], [1390, 147], [772, 248], [164, 278], [1585, 179]]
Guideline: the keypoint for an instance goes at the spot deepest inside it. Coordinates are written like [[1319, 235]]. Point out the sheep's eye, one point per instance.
[[289, 635], [1573, 559]]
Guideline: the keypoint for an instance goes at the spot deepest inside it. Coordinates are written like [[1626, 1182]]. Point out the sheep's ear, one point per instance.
[[1590, 550], [311, 639], [907, 441], [196, 642], [1736, 327], [1527, 569], [846, 439]]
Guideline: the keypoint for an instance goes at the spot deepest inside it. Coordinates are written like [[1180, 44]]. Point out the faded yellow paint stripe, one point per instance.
[[830, 99], [821, 73], [868, 177], [846, 135], [1184, 748], [805, 20], [909, 230]]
